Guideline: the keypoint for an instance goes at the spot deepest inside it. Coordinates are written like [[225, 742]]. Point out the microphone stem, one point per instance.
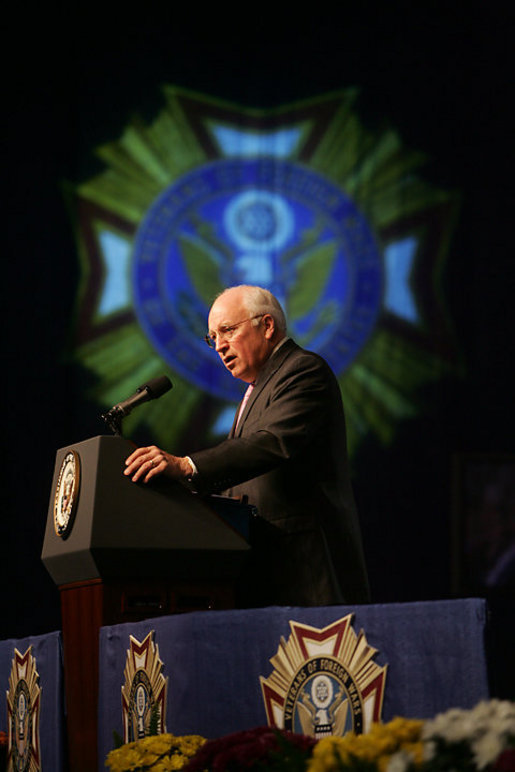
[[113, 419]]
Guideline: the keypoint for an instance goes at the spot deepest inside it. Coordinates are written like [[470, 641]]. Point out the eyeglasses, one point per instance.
[[226, 331]]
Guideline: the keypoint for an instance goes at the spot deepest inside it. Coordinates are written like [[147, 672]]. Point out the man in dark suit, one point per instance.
[[286, 452]]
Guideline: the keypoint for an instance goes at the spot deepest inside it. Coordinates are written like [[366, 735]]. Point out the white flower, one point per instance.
[[484, 710], [495, 717], [399, 762], [487, 748], [485, 729], [453, 727], [504, 718], [429, 750]]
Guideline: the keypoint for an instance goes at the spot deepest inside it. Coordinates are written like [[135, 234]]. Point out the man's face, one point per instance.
[[248, 347]]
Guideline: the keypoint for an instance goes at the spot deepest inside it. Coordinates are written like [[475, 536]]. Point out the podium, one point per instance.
[[122, 552]]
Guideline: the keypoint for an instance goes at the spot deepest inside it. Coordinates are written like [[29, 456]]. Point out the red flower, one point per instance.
[[505, 762], [243, 750]]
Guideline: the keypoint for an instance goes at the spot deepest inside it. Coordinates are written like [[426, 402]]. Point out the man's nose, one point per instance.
[[221, 344]]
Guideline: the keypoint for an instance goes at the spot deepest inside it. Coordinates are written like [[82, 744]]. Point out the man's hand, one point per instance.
[[146, 463]]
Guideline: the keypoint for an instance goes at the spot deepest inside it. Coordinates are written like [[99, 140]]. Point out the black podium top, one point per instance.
[[125, 529]]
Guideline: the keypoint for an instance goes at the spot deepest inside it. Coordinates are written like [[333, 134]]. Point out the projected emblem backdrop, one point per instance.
[[263, 222], [303, 201]]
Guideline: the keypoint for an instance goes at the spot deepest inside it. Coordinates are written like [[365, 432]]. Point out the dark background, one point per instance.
[[440, 76]]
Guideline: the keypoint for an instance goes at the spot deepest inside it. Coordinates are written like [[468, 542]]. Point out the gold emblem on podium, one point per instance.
[[23, 706], [144, 690], [325, 681], [67, 494]]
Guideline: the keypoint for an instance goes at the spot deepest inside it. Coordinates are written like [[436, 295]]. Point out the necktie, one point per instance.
[[246, 396]]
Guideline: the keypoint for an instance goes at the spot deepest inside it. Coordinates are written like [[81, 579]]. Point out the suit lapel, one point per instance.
[[238, 425], [270, 368], [233, 427]]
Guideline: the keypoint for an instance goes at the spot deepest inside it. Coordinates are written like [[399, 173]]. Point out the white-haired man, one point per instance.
[[286, 452]]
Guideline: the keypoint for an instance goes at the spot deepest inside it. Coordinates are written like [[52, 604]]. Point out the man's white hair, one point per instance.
[[259, 300]]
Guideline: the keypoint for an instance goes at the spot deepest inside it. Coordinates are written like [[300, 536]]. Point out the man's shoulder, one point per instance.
[[297, 358], [295, 353]]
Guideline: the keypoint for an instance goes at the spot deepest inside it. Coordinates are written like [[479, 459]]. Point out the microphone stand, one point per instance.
[[151, 390], [113, 420]]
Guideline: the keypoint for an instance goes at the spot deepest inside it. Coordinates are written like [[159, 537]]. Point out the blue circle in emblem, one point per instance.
[[248, 221], [259, 221]]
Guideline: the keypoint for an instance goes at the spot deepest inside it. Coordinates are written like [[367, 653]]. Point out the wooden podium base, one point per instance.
[[87, 606], [121, 552]]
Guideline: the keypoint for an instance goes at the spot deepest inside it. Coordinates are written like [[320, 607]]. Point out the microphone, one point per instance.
[[151, 390]]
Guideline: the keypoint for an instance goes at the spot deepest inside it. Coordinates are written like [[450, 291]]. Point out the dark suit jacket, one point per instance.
[[288, 455]]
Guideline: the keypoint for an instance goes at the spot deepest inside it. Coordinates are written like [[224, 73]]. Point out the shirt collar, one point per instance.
[[276, 348]]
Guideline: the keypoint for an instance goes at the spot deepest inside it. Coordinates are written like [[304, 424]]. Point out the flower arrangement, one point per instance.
[[478, 740], [159, 753], [264, 748], [379, 749]]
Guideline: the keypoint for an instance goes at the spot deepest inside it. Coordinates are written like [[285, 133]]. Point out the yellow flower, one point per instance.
[[377, 746], [159, 753]]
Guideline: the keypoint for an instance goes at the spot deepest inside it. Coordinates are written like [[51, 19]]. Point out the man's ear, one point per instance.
[[269, 325]]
